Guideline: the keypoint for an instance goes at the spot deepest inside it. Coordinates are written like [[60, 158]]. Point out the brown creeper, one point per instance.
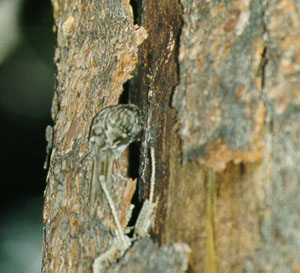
[[112, 130]]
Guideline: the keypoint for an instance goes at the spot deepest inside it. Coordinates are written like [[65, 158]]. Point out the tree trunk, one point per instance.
[[218, 85]]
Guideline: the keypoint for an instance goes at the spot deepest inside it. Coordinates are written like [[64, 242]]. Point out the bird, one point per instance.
[[112, 130]]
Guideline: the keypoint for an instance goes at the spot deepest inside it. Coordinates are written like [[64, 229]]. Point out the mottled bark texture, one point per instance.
[[96, 53], [238, 110], [218, 83], [147, 257]]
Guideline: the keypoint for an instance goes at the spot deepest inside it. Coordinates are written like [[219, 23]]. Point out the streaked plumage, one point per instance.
[[112, 130]]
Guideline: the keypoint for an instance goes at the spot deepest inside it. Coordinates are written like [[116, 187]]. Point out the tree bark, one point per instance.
[[218, 85], [96, 53]]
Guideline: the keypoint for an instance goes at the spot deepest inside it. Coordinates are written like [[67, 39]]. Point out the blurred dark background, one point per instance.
[[26, 88]]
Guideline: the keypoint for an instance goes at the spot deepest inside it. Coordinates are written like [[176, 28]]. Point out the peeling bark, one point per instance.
[[96, 54]]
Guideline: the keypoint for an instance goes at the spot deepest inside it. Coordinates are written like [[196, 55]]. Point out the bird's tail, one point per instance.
[[100, 167]]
